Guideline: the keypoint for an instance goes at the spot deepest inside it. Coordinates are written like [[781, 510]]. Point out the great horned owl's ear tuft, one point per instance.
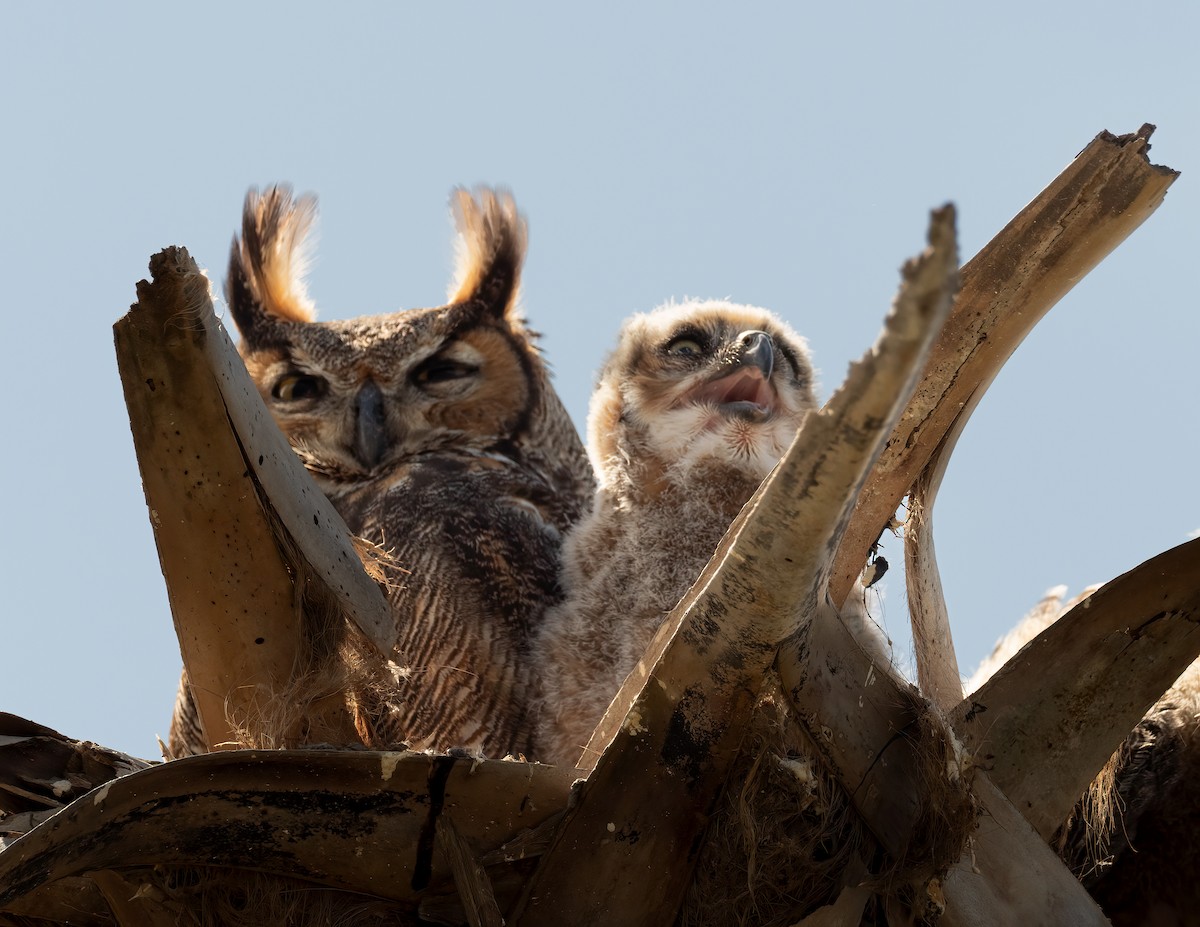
[[267, 265], [491, 248]]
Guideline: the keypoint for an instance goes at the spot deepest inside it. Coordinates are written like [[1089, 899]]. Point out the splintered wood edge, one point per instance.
[[678, 732], [1109, 190], [1046, 723]]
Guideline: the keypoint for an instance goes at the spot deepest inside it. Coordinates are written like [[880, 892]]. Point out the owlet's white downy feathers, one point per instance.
[[694, 408]]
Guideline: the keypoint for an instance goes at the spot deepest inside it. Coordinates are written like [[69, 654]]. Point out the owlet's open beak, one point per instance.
[[744, 391]]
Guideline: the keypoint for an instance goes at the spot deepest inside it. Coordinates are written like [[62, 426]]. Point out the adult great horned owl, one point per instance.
[[437, 435], [693, 409]]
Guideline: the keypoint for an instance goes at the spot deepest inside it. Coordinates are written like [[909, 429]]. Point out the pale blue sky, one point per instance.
[[779, 155]]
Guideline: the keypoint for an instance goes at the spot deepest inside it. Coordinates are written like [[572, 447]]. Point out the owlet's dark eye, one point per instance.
[[441, 370], [685, 346], [293, 387]]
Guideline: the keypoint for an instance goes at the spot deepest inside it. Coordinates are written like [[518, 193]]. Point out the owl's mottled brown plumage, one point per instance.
[[437, 436], [693, 409]]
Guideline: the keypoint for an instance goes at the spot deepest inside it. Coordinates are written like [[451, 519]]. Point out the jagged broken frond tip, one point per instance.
[[177, 287]]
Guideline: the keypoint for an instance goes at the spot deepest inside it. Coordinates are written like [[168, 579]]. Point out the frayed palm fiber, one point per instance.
[[947, 816], [779, 843], [342, 667], [786, 839]]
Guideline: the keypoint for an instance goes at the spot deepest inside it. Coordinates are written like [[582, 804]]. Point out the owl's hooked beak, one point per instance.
[[370, 425]]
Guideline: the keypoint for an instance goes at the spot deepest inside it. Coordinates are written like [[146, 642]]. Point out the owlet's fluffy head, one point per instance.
[[696, 383], [354, 397]]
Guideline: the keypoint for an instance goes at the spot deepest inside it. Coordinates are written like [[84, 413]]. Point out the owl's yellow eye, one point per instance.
[[293, 387], [685, 347], [440, 370]]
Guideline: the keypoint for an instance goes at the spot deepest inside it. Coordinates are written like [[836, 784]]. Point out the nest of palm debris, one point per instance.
[[787, 840]]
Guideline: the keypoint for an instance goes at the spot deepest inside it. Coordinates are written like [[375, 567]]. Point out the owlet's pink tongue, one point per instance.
[[743, 386]]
